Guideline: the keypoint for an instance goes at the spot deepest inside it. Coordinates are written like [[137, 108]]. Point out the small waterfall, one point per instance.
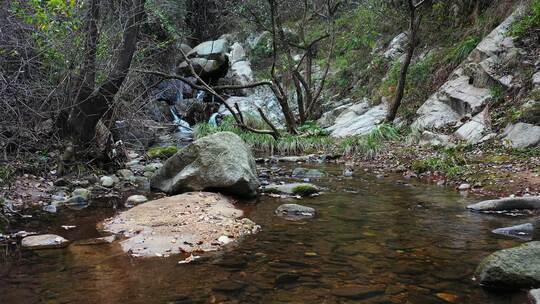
[[213, 120], [183, 126]]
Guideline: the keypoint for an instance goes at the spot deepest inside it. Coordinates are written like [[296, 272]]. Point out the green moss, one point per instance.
[[304, 190], [162, 152]]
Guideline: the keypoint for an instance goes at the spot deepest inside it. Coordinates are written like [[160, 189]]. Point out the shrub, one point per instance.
[[530, 21]]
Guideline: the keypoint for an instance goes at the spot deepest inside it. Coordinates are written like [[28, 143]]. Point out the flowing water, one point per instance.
[[379, 241]]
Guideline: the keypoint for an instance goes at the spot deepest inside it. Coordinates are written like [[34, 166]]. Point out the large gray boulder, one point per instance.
[[522, 135], [474, 130], [201, 66], [219, 162], [511, 268]]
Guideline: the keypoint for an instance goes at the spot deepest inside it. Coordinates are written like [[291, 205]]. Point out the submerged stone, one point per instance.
[[359, 292], [302, 189], [295, 211], [44, 241]]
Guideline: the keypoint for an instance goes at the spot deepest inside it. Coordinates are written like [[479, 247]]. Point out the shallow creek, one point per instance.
[[389, 240]]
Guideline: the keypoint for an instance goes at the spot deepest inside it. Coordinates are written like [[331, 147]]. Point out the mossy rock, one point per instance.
[[305, 190], [162, 152], [302, 189]]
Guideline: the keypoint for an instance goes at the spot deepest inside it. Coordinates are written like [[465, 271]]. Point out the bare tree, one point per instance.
[[414, 25], [91, 102]]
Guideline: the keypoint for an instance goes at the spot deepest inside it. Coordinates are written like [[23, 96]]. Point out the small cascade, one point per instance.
[[213, 120], [183, 126]]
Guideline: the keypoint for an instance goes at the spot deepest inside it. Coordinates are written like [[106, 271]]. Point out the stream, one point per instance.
[[373, 241]]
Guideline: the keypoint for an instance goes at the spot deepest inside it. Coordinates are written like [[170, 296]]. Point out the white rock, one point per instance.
[[43, 241], [464, 187], [224, 240], [474, 130], [522, 135], [107, 181]]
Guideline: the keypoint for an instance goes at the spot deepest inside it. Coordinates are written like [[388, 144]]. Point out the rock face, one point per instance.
[[45, 241], [295, 211], [507, 204], [467, 91], [219, 162], [511, 268], [522, 135], [396, 48], [189, 222], [263, 98], [359, 119]]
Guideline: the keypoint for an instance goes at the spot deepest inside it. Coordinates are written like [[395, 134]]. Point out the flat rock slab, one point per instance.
[[190, 222], [507, 204], [295, 211], [534, 296], [44, 241]]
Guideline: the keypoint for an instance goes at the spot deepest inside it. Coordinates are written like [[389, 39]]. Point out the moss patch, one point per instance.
[[162, 152]]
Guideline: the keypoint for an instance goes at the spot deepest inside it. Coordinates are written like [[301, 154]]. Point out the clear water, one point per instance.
[[407, 243]]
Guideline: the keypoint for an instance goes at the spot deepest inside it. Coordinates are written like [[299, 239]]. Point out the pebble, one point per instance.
[[50, 208], [136, 199]]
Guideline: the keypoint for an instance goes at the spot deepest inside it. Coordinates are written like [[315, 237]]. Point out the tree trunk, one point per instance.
[[413, 29], [92, 104]]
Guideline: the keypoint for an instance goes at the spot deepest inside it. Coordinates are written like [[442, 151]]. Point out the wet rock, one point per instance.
[[190, 222], [136, 199], [507, 204], [142, 183], [523, 231], [44, 241], [522, 135], [309, 173], [219, 162], [302, 189], [61, 182], [295, 211], [511, 268], [107, 181], [359, 292]]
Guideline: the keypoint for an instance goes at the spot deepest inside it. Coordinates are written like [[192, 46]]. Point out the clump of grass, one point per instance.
[[528, 22], [162, 152], [371, 144], [451, 162], [462, 50], [312, 139]]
